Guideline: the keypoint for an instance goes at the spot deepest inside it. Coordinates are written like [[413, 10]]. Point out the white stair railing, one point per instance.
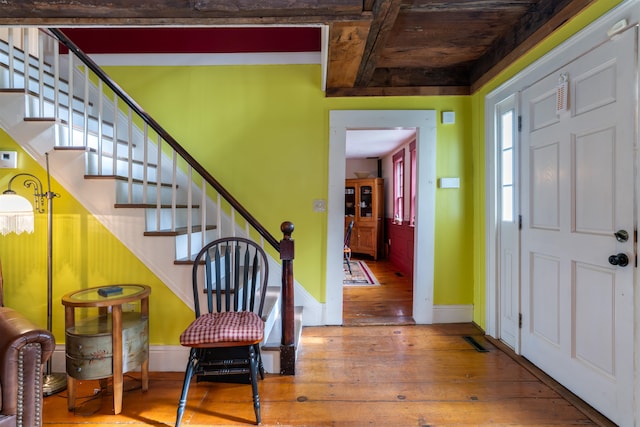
[[120, 139], [122, 142]]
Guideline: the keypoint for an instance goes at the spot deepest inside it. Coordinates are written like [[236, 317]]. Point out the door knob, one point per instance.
[[621, 235], [620, 259]]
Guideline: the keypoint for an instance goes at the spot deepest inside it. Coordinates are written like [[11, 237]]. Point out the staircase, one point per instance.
[[127, 171]]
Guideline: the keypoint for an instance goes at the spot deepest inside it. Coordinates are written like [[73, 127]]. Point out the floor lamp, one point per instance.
[[17, 216]]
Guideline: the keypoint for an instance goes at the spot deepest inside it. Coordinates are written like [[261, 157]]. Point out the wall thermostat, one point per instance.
[[448, 117], [8, 159]]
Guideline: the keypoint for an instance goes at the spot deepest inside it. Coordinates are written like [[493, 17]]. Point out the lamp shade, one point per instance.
[[16, 214]]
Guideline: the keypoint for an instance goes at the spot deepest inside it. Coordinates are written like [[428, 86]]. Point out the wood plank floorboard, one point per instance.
[[420, 375]]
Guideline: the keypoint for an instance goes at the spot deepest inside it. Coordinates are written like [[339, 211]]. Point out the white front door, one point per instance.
[[577, 193]]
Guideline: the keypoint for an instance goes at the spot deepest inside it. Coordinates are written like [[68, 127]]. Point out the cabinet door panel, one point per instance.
[[367, 239]]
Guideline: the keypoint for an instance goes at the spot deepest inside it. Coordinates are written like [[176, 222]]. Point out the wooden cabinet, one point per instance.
[[364, 204]]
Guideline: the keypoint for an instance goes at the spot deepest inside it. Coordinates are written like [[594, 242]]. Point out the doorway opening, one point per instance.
[[380, 190], [424, 122]]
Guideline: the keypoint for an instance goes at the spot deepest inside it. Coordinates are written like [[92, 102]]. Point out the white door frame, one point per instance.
[[423, 271]]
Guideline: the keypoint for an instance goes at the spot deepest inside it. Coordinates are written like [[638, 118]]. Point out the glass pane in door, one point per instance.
[[366, 199], [349, 201], [506, 163]]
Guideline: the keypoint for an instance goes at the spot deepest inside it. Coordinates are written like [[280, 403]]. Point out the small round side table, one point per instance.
[[94, 346]]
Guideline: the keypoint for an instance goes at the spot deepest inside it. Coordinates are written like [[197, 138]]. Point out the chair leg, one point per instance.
[[348, 258], [259, 358], [185, 385], [253, 364]]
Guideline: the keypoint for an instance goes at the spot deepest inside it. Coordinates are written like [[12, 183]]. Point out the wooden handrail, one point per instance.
[[166, 137]]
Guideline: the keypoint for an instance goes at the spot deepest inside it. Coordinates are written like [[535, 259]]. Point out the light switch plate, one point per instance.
[[8, 159], [449, 182], [319, 205]]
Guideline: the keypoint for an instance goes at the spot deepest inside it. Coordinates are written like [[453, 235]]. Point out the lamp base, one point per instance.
[[53, 383]]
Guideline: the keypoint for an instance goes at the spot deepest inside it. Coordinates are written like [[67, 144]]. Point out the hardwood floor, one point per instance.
[[393, 375], [352, 376], [391, 303]]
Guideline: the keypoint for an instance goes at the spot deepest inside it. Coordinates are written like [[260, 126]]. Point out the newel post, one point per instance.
[[287, 345]]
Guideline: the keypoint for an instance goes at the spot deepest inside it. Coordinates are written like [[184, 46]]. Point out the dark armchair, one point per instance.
[[24, 348]]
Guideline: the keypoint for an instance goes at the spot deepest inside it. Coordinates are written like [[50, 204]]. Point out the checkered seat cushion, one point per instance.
[[228, 326]]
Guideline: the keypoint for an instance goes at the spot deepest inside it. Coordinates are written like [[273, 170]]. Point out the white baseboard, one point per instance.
[[453, 313], [168, 358]]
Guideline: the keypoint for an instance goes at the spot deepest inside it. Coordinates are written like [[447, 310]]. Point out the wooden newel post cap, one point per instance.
[[286, 244], [287, 229]]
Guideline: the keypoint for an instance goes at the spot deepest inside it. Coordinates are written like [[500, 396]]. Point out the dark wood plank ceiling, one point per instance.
[[376, 47]]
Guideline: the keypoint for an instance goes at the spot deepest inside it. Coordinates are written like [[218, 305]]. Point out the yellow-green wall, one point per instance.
[[263, 131]]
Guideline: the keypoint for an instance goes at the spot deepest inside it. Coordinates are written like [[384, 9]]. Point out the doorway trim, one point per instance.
[[423, 271]]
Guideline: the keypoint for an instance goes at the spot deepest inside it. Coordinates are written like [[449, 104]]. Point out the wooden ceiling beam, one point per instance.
[[530, 30], [278, 7], [178, 12], [367, 5], [424, 76], [346, 45], [385, 13], [462, 6], [200, 21], [398, 91], [376, 47]]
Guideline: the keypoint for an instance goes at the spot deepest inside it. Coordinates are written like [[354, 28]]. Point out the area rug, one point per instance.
[[360, 275]]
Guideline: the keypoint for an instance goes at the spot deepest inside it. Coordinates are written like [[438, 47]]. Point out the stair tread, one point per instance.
[[178, 232], [273, 343], [105, 155], [30, 78], [34, 94], [271, 298], [153, 206], [119, 141], [41, 119], [21, 59], [120, 158], [11, 90], [124, 178]]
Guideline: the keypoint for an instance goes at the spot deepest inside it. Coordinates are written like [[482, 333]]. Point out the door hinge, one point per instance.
[[520, 320], [635, 244], [519, 123], [519, 222]]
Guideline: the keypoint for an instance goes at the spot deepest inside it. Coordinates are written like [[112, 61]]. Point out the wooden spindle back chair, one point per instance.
[[231, 273]]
